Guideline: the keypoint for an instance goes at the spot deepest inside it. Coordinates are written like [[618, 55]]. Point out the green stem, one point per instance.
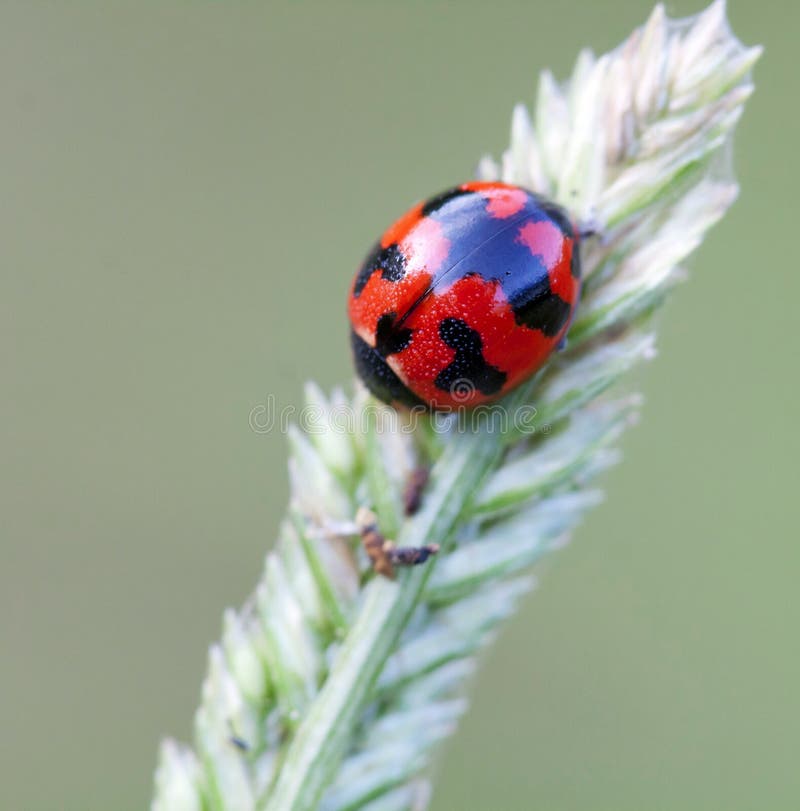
[[326, 731]]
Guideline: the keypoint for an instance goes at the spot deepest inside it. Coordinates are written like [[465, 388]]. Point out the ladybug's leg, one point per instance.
[[382, 552], [590, 227]]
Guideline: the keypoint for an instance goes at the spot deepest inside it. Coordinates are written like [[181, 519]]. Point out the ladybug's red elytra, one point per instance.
[[464, 297]]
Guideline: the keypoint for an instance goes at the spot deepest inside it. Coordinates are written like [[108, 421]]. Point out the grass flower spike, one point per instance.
[[332, 687]]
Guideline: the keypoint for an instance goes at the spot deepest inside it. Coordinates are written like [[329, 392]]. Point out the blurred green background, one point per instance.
[[186, 190]]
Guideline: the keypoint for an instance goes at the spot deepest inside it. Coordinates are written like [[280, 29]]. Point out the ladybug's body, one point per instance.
[[464, 297]]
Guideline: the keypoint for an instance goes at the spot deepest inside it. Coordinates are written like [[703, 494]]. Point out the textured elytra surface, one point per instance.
[[465, 295]]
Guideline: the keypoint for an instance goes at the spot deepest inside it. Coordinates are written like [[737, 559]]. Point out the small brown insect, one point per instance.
[[383, 553], [412, 495]]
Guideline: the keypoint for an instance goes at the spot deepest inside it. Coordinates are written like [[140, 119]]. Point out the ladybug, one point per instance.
[[464, 297]]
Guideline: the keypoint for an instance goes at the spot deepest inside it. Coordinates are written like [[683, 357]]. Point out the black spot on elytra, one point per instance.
[[537, 307], [469, 365], [378, 375], [390, 339], [389, 260], [435, 203]]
